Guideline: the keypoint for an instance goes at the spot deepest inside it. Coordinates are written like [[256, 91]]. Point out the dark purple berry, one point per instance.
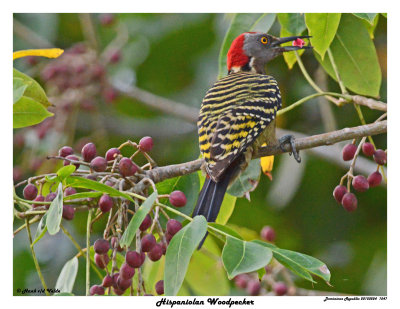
[[107, 281], [349, 151], [106, 203], [280, 288], [118, 291], [98, 164], [177, 199], [168, 237], [146, 144], [360, 183], [30, 192], [101, 246], [134, 259], [253, 287], [268, 233], [368, 149], [65, 151], [374, 179], [126, 272], [112, 153], [39, 198], [164, 248], [127, 167], [115, 243], [89, 152], [96, 290], [123, 284], [115, 56], [106, 19], [173, 226], [110, 94], [155, 253], [339, 192], [146, 223], [69, 191], [101, 260], [91, 177], [349, 202], [241, 281], [160, 287], [380, 157], [148, 242], [68, 212], [71, 157]]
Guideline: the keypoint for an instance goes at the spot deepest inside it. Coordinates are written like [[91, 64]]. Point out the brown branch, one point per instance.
[[161, 173], [168, 106], [329, 138], [368, 102]]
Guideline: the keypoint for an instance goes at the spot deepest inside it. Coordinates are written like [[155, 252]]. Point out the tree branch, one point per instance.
[[161, 173]]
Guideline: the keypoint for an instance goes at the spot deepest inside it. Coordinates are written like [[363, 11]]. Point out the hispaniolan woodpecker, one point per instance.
[[237, 116]]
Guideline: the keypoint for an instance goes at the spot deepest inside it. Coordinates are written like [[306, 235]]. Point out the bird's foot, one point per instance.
[[289, 139]]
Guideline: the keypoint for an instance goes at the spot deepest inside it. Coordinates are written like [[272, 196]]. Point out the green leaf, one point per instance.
[[34, 90], [65, 171], [41, 229], [301, 264], [152, 273], [137, 220], [241, 22], [225, 229], [188, 184], [289, 57], [66, 279], [206, 274], [355, 57], [322, 27], [366, 16], [227, 207], [54, 214], [292, 22], [247, 181], [82, 195], [241, 256], [19, 87], [371, 28], [384, 14], [27, 112], [80, 182], [179, 251], [261, 272]]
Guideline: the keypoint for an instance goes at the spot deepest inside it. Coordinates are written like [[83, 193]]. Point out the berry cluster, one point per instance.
[[76, 81], [359, 183], [113, 169]]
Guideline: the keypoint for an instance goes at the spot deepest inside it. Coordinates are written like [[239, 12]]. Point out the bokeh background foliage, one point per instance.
[[177, 56]]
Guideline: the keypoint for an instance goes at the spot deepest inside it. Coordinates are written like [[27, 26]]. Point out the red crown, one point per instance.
[[236, 55]]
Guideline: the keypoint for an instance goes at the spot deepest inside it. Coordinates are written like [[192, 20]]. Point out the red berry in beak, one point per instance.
[[298, 42]]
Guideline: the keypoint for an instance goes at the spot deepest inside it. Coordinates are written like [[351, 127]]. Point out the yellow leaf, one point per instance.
[[49, 53]]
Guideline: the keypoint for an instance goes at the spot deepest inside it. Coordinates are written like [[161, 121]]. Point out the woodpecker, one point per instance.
[[237, 116]]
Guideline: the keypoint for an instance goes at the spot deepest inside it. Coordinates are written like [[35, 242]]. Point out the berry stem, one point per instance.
[[88, 230], [80, 250], [28, 229]]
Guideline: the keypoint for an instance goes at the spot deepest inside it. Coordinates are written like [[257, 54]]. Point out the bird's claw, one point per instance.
[[289, 139]]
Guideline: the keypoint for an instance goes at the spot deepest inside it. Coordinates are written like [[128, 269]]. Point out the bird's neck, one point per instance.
[[253, 65]]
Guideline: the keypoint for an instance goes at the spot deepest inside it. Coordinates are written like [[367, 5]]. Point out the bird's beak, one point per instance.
[[280, 41]]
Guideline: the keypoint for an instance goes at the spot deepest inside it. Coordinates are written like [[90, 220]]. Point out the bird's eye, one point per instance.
[[264, 40]]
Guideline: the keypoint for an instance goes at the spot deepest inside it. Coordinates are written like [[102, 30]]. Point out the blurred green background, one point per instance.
[[176, 56]]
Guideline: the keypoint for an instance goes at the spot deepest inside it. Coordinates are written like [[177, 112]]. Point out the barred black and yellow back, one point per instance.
[[234, 113]]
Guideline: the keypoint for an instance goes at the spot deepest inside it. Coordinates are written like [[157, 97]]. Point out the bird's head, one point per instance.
[[250, 51]]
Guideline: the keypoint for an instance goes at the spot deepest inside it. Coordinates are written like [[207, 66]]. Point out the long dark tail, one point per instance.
[[211, 197]]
